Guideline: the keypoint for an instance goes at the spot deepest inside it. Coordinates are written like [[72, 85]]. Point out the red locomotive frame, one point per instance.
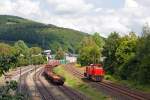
[[94, 72]]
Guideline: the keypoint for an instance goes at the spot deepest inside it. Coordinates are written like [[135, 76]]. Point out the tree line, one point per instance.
[[19, 54], [125, 57]]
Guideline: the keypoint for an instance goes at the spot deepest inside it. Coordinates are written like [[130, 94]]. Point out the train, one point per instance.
[[50, 75], [94, 72], [54, 63]]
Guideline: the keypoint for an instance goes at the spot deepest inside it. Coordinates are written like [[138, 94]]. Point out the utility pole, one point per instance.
[[35, 77], [20, 81], [21, 55]]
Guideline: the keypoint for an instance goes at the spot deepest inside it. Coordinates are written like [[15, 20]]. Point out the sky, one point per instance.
[[90, 16]]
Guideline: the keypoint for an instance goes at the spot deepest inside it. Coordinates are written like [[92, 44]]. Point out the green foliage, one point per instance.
[[54, 46], [60, 54], [118, 52], [90, 51], [98, 40], [37, 59], [137, 68], [7, 58], [110, 47], [144, 70], [35, 55], [22, 48], [128, 57], [8, 92], [14, 28], [18, 55], [125, 51], [143, 56], [23, 52], [23, 61], [35, 50], [12, 85]]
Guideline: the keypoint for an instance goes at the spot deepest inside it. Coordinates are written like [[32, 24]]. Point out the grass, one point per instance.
[[79, 85], [78, 65], [130, 84], [2, 80]]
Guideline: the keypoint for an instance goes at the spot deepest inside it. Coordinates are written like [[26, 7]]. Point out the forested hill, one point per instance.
[[13, 28]]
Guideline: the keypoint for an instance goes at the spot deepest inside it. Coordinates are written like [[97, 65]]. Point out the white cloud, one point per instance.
[[148, 20], [145, 3], [98, 9], [82, 15], [131, 4], [70, 6], [24, 8], [5, 7]]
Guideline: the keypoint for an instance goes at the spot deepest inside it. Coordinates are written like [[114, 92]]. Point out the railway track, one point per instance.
[[15, 74], [112, 89], [23, 87], [46, 94], [72, 94], [42, 89], [124, 92], [74, 71]]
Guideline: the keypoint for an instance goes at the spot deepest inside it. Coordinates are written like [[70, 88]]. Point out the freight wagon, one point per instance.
[[55, 79]]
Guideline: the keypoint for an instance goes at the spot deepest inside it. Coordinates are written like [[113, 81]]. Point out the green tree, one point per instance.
[[110, 47], [37, 59], [23, 51], [137, 69], [125, 52], [128, 56], [22, 48], [143, 56], [98, 40], [59, 54], [54, 46], [35, 50], [8, 58], [35, 55], [89, 52], [126, 48], [7, 92]]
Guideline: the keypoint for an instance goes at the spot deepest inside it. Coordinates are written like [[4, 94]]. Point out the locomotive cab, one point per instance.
[[94, 72]]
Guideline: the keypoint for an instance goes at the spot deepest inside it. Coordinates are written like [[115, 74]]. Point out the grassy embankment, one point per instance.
[[79, 85], [130, 84]]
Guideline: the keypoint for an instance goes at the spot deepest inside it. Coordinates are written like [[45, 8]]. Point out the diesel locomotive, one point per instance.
[[94, 72]]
